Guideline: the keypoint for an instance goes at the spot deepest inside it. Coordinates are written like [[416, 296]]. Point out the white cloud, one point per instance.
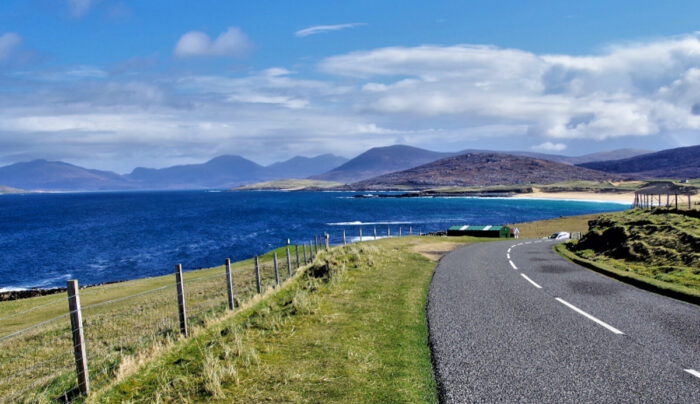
[[79, 8], [232, 42], [9, 42], [632, 89], [318, 29], [438, 97], [549, 146]]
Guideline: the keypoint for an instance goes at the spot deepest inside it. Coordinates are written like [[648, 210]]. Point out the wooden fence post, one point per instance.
[[327, 242], [297, 248], [375, 232], [289, 264], [277, 275], [229, 284], [344, 242], [181, 299], [315, 244], [410, 230], [257, 275], [304, 248], [399, 231], [76, 323], [360, 233], [388, 231]]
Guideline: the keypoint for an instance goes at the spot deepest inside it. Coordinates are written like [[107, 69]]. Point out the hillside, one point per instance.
[[657, 247], [222, 171], [288, 185], [9, 190], [682, 162], [57, 175], [302, 167], [482, 169], [380, 160]]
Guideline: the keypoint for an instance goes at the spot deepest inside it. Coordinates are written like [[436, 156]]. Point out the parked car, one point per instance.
[[562, 235]]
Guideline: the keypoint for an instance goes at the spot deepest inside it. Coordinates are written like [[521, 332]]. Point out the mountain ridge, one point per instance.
[[482, 169], [680, 162]]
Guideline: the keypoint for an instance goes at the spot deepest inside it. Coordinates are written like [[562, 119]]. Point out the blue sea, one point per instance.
[[46, 239]]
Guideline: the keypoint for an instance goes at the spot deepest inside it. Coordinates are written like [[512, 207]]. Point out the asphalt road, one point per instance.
[[514, 322]]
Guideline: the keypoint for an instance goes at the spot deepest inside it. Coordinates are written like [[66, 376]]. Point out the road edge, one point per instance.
[[627, 277]]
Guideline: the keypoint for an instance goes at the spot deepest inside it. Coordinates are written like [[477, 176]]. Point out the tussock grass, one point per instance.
[[349, 328], [659, 244], [125, 325]]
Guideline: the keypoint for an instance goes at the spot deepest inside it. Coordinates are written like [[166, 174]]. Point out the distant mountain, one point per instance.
[[607, 155], [682, 162], [302, 167], [60, 176], [380, 160], [10, 190], [483, 169], [219, 172]]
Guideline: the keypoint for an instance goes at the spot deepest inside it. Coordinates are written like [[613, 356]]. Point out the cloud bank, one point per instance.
[[440, 97], [632, 89]]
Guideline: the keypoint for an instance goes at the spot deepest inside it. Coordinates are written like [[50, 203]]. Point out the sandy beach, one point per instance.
[[627, 197], [580, 196]]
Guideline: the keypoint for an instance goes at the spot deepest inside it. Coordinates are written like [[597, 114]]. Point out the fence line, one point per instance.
[[98, 353]]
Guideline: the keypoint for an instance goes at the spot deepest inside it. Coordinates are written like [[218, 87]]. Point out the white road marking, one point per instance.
[[588, 316], [693, 372], [508, 251], [513, 265], [508, 255], [531, 281]]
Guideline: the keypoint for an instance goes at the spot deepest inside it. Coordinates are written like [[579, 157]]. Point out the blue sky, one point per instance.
[[116, 84]]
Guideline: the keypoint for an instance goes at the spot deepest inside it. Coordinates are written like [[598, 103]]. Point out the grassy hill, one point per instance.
[[682, 162], [483, 169], [288, 185], [660, 247]]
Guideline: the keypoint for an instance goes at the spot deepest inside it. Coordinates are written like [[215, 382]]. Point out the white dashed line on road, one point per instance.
[[693, 372], [531, 281], [508, 255], [588, 316], [513, 265]]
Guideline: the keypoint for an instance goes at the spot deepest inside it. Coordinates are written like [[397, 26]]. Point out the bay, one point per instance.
[[46, 239]]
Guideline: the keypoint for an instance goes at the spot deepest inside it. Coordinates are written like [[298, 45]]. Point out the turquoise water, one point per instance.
[[46, 239]]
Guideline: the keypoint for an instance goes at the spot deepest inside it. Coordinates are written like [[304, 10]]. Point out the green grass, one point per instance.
[[351, 328], [289, 185], [660, 247], [568, 186], [123, 322], [545, 228]]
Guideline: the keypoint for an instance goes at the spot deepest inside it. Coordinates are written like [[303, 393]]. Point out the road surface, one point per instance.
[[514, 322]]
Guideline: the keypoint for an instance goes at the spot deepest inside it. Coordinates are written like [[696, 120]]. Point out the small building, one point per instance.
[[480, 231]]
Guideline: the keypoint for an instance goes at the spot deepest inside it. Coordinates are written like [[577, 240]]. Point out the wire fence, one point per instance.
[[120, 323]]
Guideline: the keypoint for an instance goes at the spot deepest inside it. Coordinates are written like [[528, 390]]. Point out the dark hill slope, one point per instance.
[[302, 167], [60, 176], [219, 172], [381, 160], [483, 169], [682, 162]]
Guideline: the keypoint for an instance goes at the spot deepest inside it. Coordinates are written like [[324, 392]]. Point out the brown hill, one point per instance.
[[681, 162], [483, 169]]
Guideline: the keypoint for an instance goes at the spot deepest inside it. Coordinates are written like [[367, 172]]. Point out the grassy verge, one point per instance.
[[624, 274], [124, 323], [351, 328], [656, 249], [545, 228]]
